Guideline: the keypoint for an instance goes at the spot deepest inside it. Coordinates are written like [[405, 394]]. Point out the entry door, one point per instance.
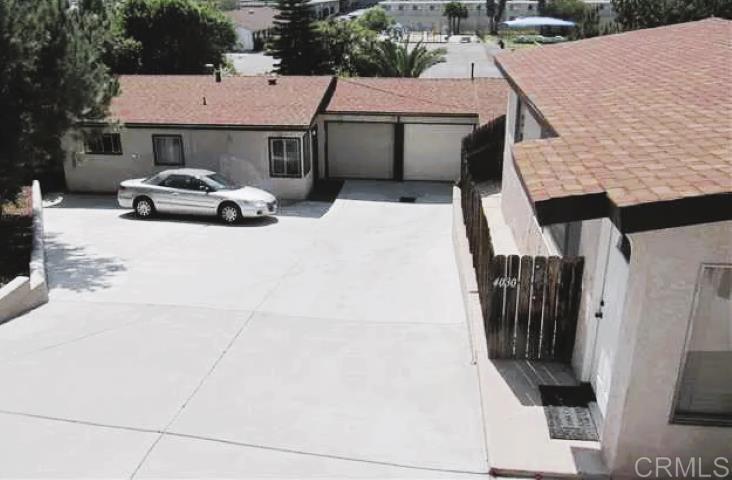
[[360, 150], [606, 342]]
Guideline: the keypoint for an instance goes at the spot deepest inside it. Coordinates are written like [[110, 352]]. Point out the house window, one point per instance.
[[432, 7], [103, 144], [704, 391], [567, 237], [284, 157], [401, 7], [168, 150], [530, 7], [415, 7]]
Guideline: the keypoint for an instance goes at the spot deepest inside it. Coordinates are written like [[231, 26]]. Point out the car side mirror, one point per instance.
[[204, 188]]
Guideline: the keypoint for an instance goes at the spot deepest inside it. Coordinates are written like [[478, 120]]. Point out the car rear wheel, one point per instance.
[[144, 207], [229, 213]]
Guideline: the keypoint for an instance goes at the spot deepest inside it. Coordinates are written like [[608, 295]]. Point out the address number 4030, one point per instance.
[[509, 282]]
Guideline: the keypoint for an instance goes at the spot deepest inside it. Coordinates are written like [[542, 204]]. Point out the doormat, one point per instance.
[[567, 411], [407, 199]]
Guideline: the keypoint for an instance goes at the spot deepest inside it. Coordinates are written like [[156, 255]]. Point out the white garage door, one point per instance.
[[360, 150], [432, 152]]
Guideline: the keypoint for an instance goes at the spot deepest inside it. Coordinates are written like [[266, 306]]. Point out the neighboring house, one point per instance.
[[268, 131], [427, 15], [321, 8], [619, 149], [255, 130], [325, 8], [253, 25]]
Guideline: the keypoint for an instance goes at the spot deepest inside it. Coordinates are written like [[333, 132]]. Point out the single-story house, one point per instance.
[[256, 130], [619, 149], [253, 25], [269, 132]]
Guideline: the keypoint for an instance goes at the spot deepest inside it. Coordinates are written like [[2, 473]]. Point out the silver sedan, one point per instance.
[[194, 191]]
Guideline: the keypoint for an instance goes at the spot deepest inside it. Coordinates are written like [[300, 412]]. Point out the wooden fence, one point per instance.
[[482, 151], [529, 303]]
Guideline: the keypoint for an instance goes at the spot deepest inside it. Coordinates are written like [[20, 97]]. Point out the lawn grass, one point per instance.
[[16, 237]]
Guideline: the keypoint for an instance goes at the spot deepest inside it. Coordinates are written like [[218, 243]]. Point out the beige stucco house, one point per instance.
[[619, 149], [282, 134]]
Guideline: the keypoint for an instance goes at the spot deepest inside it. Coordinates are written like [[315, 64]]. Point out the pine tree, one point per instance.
[[51, 75], [296, 43]]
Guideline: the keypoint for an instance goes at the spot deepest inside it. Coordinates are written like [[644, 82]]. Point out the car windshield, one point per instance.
[[153, 180], [219, 182]]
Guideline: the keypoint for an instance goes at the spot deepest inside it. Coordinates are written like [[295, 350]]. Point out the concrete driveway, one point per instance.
[[330, 342], [460, 56]]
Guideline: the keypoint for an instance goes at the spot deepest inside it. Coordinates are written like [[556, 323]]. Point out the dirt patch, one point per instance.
[[16, 237]]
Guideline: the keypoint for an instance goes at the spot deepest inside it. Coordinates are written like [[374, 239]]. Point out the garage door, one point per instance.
[[360, 150], [432, 152]]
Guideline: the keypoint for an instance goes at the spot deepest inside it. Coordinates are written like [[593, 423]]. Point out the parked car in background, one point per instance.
[[194, 191]]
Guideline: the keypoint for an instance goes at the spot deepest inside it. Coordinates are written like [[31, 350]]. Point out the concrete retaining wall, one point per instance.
[[25, 293]]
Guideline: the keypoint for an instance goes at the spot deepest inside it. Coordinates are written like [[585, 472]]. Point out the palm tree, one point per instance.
[[455, 11], [390, 59], [499, 10]]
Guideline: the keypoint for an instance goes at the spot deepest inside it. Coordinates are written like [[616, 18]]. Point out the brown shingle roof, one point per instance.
[[178, 100], [254, 19], [642, 117], [485, 97]]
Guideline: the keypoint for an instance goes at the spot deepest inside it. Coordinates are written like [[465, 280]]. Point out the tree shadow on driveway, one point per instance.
[[74, 268]]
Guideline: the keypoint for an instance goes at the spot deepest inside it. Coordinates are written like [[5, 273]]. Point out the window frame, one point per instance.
[[307, 154], [675, 417], [300, 174], [100, 137], [182, 151]]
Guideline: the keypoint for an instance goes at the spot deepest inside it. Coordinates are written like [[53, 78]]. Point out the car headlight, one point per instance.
[[259, 204]]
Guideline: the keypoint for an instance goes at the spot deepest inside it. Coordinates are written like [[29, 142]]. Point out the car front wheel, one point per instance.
[[144, 207], [229, 213]]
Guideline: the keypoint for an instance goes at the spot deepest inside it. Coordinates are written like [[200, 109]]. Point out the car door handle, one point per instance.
[[175, 194]]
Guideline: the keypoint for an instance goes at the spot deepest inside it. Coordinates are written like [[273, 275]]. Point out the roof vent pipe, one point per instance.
[[217, 74], [272, 80]]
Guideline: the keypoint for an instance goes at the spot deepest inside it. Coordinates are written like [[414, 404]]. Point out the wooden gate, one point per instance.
[[531, 306]]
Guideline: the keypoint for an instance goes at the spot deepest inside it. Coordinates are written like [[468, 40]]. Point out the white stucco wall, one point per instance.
[[242, 155], [594, 243], [663, 273], [515, 203], [245, 38]]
